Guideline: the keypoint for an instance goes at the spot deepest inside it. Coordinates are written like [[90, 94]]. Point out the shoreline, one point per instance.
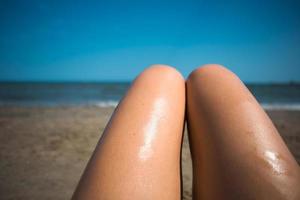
[[113, 104]]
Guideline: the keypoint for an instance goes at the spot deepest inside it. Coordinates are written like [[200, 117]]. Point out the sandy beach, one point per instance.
[[43, 150]]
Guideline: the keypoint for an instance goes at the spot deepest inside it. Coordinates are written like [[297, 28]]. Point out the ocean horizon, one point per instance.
[[271, 96]]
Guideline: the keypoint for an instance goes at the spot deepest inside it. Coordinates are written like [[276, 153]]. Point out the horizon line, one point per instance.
[[129, 81]]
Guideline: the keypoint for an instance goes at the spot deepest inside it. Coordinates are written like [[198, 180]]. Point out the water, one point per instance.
[[53, 94], [276, 96]]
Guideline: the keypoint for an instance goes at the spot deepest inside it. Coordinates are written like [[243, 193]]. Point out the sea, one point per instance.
[[108, 94]]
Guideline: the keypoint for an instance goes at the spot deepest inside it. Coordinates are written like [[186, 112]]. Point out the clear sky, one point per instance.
[[59, 40]]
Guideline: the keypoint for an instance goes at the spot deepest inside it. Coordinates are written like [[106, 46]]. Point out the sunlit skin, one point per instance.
[[237, 152], [138, 156]]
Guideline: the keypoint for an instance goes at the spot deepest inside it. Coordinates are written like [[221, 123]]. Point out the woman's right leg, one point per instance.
[[237, 152], [138, 156]]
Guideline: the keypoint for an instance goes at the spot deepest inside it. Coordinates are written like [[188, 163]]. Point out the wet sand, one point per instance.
[[43, 151]]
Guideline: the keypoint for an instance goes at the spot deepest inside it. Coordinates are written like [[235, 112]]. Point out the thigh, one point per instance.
[[138, 156], [236, 150]]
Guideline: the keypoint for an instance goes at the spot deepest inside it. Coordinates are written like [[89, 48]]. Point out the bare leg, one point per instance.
[[138, 157], [236, 150]]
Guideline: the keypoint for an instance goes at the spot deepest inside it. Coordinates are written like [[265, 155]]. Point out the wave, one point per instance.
[[281, 106], [105, 104]]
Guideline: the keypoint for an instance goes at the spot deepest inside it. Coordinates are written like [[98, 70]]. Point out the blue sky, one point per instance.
[[115, 40]]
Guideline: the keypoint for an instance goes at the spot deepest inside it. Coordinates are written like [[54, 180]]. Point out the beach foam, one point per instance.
[[105, 104], [277, 106]]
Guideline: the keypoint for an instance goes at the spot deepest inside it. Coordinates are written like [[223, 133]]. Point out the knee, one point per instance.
[[209, 72], [160, 72]]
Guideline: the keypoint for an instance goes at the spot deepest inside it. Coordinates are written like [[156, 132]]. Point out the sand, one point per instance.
[[43, 151]]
